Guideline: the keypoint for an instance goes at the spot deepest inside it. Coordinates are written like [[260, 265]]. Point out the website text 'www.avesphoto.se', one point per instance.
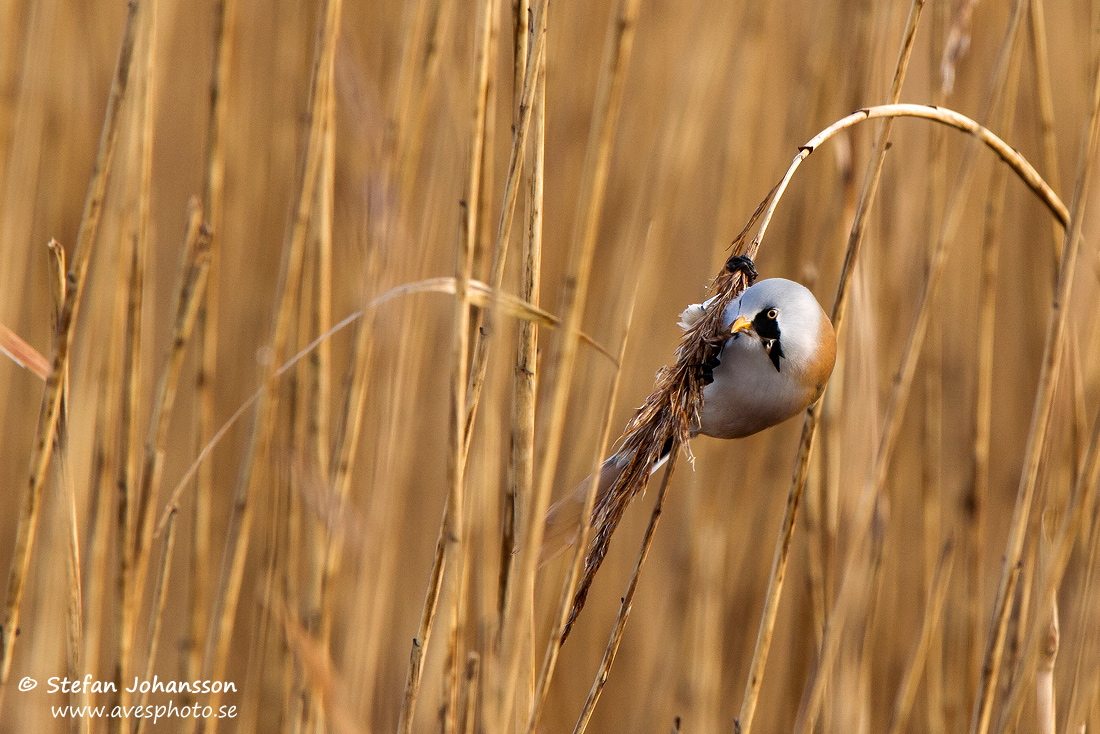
[[161, 711]]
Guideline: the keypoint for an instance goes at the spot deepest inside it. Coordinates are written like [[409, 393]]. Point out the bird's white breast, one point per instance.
[[748, 394]]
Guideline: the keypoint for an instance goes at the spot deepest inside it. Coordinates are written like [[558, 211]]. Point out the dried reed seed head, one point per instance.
[[669, 415]]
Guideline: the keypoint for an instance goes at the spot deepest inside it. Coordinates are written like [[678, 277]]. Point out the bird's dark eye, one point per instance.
[[773, 314]]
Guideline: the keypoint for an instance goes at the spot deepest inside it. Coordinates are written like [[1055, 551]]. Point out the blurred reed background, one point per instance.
[[356, 147]]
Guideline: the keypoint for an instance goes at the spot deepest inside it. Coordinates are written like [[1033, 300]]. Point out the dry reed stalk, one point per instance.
[[216, 653], [156, 614], [137, 231], [593, 187], [411, 99], [193, 270], [983, 401], [525, 385], [936, 667], [452, 546], [74, 641], [206, 337], [480, 294], [457, 544], [1081, 506], [678, 383], [569, 584], [957, 43], [51, 399], [1082, 622], [126, 475], [1041, 59], [473, 676], [932, 508], [302, 573], [416, 75], [855, 239], [896, 409], [321, 311], [521, 458], [518, 493], [868, 554], [1052, 357], [324, 681], [315, 410], [512, 184], [930, 625], [260, 639], [15, 22], [104, 465], [904, 376], [628, 598], [1044, 677]]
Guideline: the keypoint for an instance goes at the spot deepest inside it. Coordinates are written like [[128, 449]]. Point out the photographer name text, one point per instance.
[[87, 684]]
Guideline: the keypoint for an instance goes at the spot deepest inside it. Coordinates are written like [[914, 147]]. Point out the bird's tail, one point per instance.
[[563, 521]]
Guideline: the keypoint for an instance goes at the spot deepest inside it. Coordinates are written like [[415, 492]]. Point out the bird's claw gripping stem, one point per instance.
[[745, 265]]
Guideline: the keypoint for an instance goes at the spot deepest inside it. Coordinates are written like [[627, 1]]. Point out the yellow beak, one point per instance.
[[739, 325]]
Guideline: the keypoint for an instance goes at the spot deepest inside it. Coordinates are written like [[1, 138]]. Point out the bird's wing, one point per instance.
[[563, 521]]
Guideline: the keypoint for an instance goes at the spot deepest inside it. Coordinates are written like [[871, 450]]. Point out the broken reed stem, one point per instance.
[[569, 585], [628, 598], [216, 653], [608, 102], [1053, 350], [51, 398], [206, 336], [855, 239], [74, 642], [930, 625]]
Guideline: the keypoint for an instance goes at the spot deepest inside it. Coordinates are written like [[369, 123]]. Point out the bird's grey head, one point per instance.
[[786, 318]]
